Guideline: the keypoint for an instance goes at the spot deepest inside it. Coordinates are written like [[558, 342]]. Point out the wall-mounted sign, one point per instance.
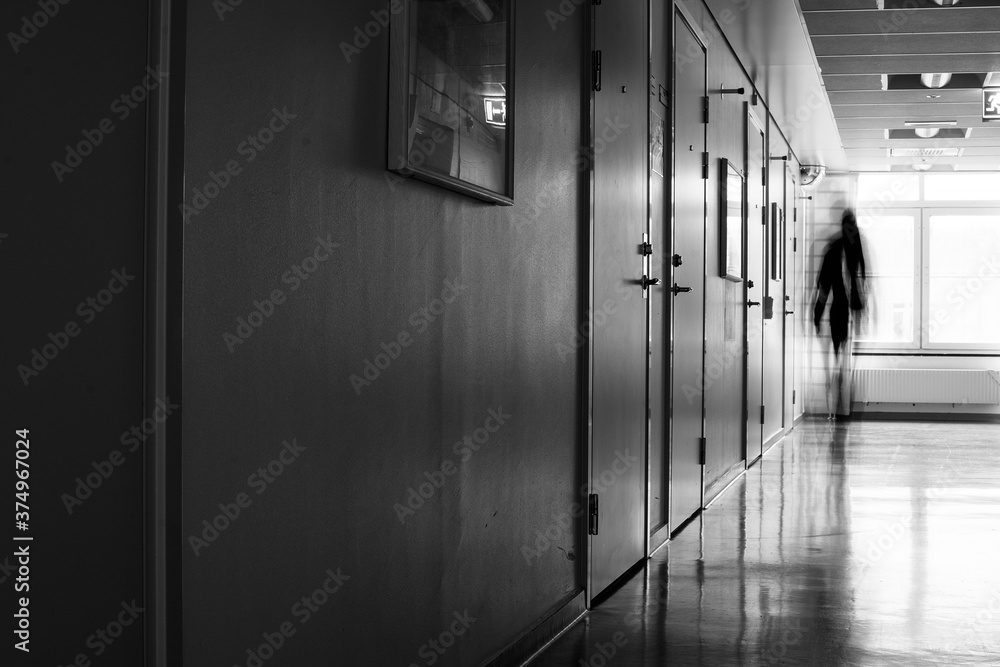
[[496, 110], [991, 103]]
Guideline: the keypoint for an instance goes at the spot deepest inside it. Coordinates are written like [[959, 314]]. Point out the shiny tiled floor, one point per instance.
[[874, 543]]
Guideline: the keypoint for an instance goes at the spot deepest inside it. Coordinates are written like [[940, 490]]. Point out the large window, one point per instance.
[[934, 270]]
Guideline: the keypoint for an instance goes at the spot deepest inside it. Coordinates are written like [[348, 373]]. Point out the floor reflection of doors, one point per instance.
[[688, 300]]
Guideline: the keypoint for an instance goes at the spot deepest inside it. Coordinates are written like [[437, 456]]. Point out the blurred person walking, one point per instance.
[[842, 282]]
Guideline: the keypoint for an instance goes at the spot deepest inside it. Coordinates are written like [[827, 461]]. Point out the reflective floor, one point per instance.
[[874, 543]]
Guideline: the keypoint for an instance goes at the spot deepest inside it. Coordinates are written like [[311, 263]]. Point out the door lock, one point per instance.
[[647, 248], [676, 289], [648, 282], [677, 260]]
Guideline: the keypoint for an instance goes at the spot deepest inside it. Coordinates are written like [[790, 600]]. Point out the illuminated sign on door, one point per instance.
[[991, 103], [496, 111]]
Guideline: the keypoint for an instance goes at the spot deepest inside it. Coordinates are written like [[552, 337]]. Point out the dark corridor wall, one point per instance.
[[72, 163], [307, 265]]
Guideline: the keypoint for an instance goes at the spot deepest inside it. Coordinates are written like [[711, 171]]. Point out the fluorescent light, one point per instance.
[[930, 123]]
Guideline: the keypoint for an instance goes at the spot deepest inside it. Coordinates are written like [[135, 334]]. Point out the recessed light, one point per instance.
[[927, 132], [921, 166], [938, 80]]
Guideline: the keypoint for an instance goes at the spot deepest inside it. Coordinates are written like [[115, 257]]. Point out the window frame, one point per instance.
[[921, 321]]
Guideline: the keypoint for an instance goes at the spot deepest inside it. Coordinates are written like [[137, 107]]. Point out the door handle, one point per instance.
[[789, 312], [750, 304], [676, 289], [648, 282]]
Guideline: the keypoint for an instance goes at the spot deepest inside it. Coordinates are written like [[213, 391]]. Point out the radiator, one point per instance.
[[912, 385]]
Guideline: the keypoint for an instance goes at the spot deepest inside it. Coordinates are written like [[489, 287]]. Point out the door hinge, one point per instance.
[[793, 397], [597, 68], [593, 515], [704, 166], [795, 244], [706, 106], [763, 176], [702, 450], [762, 414]]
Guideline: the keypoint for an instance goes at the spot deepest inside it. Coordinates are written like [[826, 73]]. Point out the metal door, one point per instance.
[[688, 280], [617, 519], [756, 155]]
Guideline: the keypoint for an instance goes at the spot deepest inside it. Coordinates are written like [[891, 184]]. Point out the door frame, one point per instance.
[[692, 24], [752, 120]]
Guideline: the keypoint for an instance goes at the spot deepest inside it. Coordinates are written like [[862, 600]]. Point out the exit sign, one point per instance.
[[496, 111], [991, 103]]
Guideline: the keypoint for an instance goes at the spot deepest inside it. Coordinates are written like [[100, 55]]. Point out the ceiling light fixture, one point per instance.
[[927, 132], [935, 80], [946, 3], [930, 123], [921, 166]]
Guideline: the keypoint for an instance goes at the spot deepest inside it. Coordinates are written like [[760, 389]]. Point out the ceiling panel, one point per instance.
[[892, 111], [913, 64], [944, 96], [863, 49], [875, 22], [907, 44]]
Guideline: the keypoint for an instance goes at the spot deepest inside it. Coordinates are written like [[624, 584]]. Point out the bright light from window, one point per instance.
[[888, 188], [889, 253], [964, 304], [962, 187]]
